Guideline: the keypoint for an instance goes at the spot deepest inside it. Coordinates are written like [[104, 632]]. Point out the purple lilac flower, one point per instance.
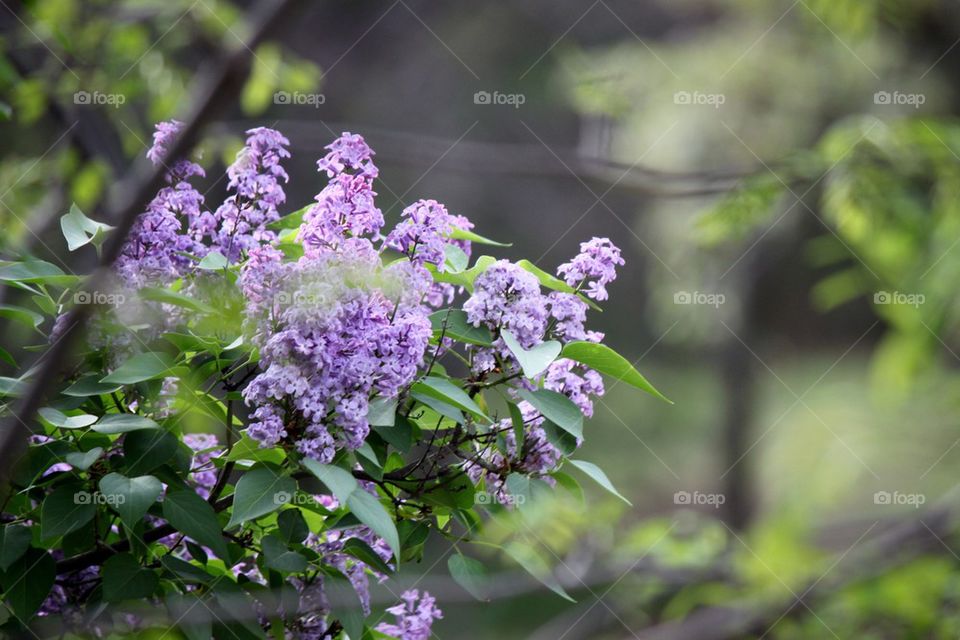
[[255, 178], [421, 233], [574, 381], [349, 329], [181, 169], [595, 265], [345, 208], [506, 297], [415, 616], [67, 597], [151, 253], [205, 447], [349, 153]]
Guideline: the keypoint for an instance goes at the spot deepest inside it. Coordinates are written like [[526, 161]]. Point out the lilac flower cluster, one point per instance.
[[415, 616], [153, 251], [506, 297], [175, 225], [345, 207], [345, 328], [421, 233], [255, 178], [595, 266]]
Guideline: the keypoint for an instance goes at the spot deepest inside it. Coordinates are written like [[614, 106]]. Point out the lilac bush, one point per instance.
[[275, 405]]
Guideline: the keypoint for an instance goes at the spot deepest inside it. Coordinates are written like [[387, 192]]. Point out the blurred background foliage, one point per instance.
[[824, 216]]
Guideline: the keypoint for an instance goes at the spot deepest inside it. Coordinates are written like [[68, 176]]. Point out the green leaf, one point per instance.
[[114, 423], [340, 482], [453, 324], [143, 366], [189, 572], [291, 220], [444, 390], [464, 278], [400, 435], [90, 386], [213, 261], [557, 408], [455, 259], [261, 490], [83, 460], [79, 230], [533, 361], [145, 450], [382, 412], [597, 474], [125, 579], [67, 509], [463, 234], [175, 298], [34, 271], [291, 526], [518, 488], [277, 556], [569, 483], [247, 448], [536, 566], [130, 497], [469, 574], [372, 513], [190, 514], [605, 360], [441, 407], [364, 506], [362, 551], [546, 279], [26, 317], [12, 387], [59, 419], [14, 542], [28, 581]]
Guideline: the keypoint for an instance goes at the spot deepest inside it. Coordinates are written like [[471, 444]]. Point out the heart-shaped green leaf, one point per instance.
[[192, 515], [130, 497], [260, 491], [14, 541], [82, 460], [67, 509], [533, 361], [59, 419]]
